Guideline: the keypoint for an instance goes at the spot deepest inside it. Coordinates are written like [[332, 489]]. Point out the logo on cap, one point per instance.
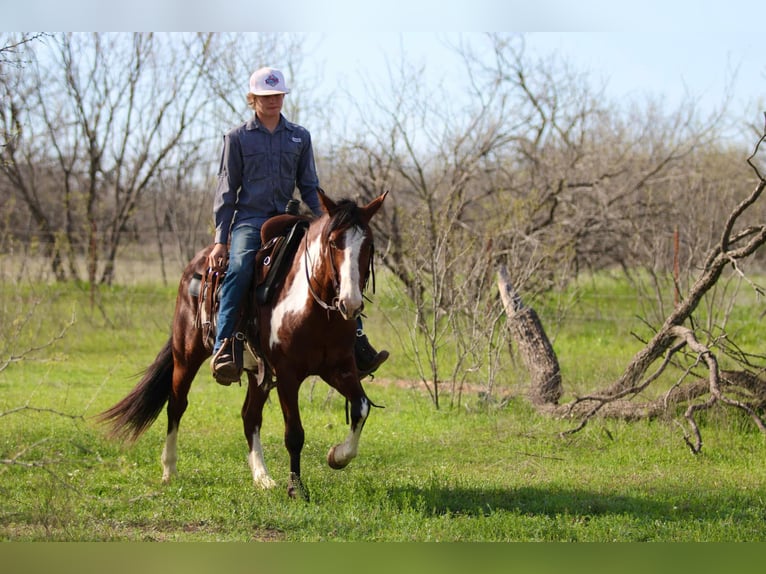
[[272, 80]]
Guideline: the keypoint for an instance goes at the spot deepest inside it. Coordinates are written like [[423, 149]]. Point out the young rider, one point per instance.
[[263, 161]]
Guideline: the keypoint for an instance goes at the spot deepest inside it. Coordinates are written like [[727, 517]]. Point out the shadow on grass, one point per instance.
[[441, 500]]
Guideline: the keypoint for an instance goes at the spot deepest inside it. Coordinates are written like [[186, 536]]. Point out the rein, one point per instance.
[[335, 285]]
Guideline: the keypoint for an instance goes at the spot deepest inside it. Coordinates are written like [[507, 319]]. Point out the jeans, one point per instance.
[[245, 242]]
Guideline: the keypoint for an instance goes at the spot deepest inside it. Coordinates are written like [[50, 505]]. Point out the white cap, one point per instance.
[[267, 82]]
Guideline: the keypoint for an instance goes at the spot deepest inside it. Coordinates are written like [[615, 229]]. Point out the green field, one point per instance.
[[481, 471]]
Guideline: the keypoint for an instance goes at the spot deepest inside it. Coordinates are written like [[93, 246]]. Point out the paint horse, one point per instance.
[[307, 328]]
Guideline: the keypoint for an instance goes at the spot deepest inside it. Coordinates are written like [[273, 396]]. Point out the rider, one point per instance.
[[263, 161]]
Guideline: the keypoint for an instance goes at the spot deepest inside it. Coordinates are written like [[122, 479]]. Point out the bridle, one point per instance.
[[335, 304]]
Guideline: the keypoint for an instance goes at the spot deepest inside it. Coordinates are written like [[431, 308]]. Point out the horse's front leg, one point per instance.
[[341, 454], [252, 419], [294, 435]]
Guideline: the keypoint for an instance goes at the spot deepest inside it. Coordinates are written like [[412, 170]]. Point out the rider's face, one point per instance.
[[269, 106]]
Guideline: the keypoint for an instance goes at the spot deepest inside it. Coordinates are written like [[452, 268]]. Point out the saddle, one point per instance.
[[280, 237]]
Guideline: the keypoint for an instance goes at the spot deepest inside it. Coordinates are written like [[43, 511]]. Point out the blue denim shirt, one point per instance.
[[259, 173]]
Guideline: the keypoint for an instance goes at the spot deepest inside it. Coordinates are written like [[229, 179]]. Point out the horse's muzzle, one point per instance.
[[344, 311]]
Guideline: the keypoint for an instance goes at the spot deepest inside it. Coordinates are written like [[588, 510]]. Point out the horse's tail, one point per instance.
[[135, 413]]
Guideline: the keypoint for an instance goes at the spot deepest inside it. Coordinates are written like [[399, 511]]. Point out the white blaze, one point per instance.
[[350, 293]]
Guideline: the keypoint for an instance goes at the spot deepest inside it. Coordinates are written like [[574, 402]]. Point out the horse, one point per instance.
[[307, 327]]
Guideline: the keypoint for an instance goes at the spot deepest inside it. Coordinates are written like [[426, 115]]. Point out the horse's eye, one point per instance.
[[333, 244]]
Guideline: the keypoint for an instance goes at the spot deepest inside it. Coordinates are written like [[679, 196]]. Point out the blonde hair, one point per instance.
[[251, 100]]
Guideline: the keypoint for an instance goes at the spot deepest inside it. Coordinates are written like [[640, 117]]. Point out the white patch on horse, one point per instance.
[[261, 475], [297, 296]]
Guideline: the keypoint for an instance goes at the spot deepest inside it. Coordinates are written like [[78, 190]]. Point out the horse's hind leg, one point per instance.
[[252, 419], [184, 371], [177, 404]]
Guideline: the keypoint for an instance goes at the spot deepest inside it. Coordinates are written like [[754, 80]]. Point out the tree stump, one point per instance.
[[534, 346]]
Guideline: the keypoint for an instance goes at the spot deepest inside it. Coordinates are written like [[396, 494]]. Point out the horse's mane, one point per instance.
[[346, 215]]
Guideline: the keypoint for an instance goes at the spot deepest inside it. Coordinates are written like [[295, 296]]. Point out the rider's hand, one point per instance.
[[217, 257]]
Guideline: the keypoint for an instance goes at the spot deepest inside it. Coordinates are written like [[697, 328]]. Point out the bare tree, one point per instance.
[[233, 57], [181, 198], [19, 315], [107, 136], [10, 46], [88, 127], [531, 168], [429, 236], [683, 343]]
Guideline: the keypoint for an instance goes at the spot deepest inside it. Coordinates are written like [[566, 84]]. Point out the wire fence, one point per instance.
[[149, 257]]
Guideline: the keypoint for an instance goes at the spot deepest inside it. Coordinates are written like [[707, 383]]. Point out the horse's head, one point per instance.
[[348, 239]]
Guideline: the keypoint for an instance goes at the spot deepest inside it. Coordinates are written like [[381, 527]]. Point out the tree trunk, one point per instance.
[[533, 344]]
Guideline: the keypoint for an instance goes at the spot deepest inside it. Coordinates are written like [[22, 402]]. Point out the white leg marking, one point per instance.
[[169, 456], [257, 464], [346, 451]]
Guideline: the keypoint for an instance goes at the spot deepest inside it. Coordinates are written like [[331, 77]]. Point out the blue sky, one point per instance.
[[665, 64]]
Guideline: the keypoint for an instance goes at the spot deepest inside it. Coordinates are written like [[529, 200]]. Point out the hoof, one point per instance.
[[264, 482], [334, 464], [296, 488]]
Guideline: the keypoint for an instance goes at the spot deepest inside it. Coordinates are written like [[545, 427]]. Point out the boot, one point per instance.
[[367, 358], [224, 366]]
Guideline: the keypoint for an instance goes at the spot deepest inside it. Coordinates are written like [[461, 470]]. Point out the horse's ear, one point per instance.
[[372, 208], [325, 202]]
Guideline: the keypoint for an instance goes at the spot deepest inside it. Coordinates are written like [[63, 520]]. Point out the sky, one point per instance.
[[670, 65], [668, 49]]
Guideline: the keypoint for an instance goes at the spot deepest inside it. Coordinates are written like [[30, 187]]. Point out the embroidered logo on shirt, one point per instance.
[[297, 140]]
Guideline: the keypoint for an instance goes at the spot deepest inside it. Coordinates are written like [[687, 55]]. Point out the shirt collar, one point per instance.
[[254, 123]]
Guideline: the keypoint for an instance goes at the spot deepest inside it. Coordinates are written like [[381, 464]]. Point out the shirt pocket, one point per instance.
[[254, 162], [288, 162]]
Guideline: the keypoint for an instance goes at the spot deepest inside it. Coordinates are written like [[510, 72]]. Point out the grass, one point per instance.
[[474, 473]]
